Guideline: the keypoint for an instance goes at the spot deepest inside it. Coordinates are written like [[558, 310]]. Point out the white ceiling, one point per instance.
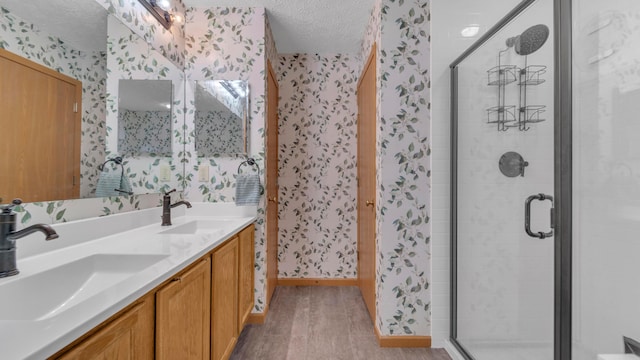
[[80, 23], [309, 26]]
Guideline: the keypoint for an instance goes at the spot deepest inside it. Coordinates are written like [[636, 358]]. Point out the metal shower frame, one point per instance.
[[562, 173]]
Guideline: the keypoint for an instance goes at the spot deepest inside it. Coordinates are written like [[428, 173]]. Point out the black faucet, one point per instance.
[[9, 235], [166, 207]]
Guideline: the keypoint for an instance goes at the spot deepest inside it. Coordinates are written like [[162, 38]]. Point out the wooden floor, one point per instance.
[[318, 322]]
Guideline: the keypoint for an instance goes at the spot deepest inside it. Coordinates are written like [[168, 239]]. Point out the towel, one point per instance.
[[247, 189], [107, 183], [124, 185]]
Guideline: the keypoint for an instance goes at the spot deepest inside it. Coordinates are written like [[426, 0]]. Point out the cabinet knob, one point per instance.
[[273, 200], [369, 202], [177, 279]]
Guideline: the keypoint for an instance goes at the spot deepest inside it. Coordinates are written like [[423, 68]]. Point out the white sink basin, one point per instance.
[[46, 294], [199, 227]]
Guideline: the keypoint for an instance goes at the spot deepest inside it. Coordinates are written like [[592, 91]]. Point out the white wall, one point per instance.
[[606, 166]]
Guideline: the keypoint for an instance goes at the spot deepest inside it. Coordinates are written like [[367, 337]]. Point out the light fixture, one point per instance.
[[470, 31], [229, 87], [163, 4], [160, 10]]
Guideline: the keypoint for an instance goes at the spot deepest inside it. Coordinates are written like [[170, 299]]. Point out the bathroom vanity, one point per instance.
[[150, 291]]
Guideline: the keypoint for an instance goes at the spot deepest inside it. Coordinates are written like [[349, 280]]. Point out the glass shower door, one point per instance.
[[503, 168]]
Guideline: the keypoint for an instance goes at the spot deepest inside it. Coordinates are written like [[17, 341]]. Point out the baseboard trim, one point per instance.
[[257, 318], [317, 282], [402, 341]]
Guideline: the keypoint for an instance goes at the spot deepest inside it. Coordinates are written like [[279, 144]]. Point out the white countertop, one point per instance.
[[38, 339]]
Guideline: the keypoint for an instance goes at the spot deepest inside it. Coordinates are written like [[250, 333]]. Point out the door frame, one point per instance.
[[562, 37], [563, 182], [270, 206]]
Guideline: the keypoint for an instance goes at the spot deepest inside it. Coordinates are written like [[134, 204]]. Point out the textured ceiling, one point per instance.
[[309, 26], [80, 23]]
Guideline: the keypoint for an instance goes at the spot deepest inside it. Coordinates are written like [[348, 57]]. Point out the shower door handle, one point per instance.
[[527, 216]]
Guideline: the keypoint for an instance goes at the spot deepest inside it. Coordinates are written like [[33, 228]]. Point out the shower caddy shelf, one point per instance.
[[500, 76], [504, 116]]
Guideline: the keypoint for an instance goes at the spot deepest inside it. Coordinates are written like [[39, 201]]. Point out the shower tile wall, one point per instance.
[[317, 166], [505, 278], [606, 176], [447, 21]]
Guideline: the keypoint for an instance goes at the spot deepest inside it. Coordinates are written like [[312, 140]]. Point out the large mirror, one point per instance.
[[221, 108], [94, 52]]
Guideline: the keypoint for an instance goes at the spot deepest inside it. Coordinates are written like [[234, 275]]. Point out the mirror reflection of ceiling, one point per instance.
[[207, 102], [221, 95], [145, 95], [89, 19], [312, 27]]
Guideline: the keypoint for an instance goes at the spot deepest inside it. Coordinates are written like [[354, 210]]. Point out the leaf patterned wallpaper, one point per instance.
[[227, 43], [218, 132], [144, 132], [234, 43], [170, 43], [400, 28], [270, 44], [23, 38], [317, 166], [130, 57]]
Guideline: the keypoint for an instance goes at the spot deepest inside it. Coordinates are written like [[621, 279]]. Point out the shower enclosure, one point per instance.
[[546, 184]]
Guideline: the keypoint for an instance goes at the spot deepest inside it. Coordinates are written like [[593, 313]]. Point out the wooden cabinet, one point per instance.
[[198, 314], [245, 275], [182, 315], [128, 336], [224, 304]]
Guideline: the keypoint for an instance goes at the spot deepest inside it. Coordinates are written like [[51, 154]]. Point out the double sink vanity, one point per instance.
[[123, 286]]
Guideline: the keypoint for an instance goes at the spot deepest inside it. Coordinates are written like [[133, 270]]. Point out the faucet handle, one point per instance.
[[169, 192], [6, 209]]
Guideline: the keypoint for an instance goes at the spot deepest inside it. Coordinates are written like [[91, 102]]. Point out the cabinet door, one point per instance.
[[183, 315], [224, 304], [128, 336], [245, 274]]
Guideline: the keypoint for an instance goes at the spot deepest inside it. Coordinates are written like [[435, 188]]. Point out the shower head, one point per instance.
[[530, 40]]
